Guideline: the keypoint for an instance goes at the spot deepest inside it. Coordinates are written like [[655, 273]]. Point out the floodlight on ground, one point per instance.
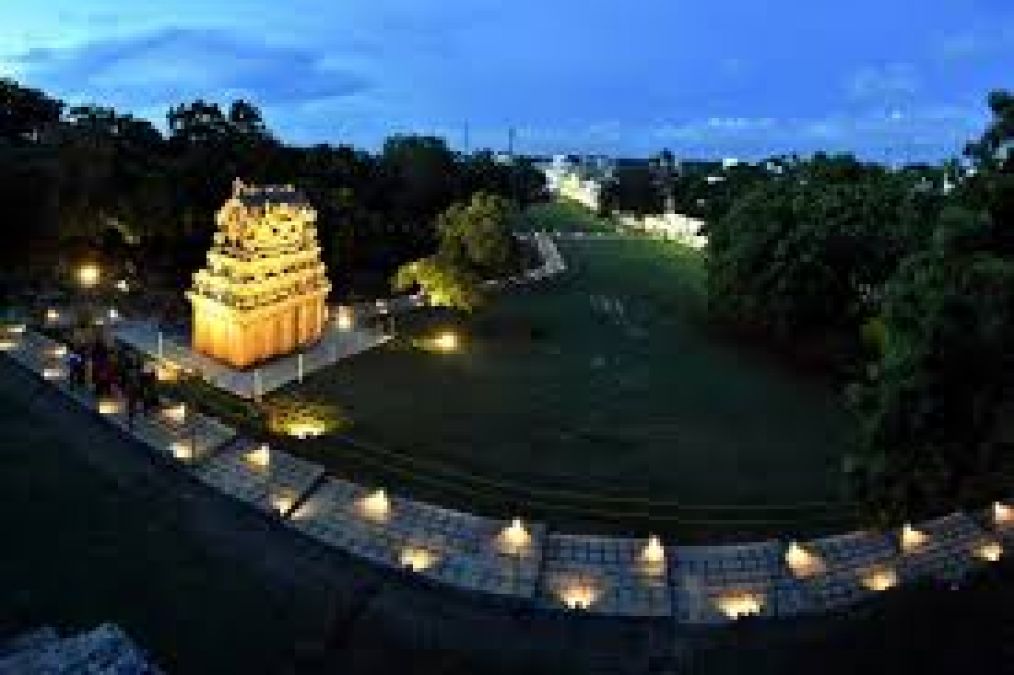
[[344, 320], [109, 406], [418, 559], [653, 552], [802, 562], [579, 594], [176, 413], [736, 604], [113, 314], [182, 450], [912, 539], [7, 344], [122, 286], [282, 502], [990, 551], [260, 456], [89, 275], [515, 537], [1003, 515], [52, 373], [880, 579], [16, 329], [52, 315], [59, 351], [376, 505], [446, 341], [305, 429]]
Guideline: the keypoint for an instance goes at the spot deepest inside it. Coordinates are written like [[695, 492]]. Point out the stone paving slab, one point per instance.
[[274, 487], [715, 584], [456, 548], [603, 575], [847, 568], [949, 552]]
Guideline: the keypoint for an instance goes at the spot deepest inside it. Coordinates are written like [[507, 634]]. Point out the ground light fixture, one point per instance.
[[515, 537], [176, 413], [344, 320], [305, 429], [417, 559], [376, 506], [990, 551], [912, 539], [579, 594], [880, 579], [737, 604], [109, 406], [282, 502], [1003, 515], [446, 341], [653, 552], [52, 315], [182, 450], [802, 562], [260, 456]]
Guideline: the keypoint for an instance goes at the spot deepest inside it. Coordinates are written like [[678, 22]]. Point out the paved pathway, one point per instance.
[[599, 575]]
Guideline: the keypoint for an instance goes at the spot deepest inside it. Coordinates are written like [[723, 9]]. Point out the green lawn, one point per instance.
[[607, 384], [565, 216]]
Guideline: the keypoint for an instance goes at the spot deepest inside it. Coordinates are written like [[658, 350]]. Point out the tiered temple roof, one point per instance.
[[262, 292]]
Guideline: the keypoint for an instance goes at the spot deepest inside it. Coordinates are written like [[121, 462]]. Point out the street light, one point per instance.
[[88, 275]]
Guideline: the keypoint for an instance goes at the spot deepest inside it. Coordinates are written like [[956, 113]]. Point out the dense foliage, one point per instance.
[[71, 179], [905, 278], [475, 244]]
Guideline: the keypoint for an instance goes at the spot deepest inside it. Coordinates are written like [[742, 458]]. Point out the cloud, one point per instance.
[[916, 132], [979, 42], [884, 83], [171, 65]]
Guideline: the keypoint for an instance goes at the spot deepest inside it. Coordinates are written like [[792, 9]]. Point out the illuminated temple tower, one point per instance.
[[262, 292]]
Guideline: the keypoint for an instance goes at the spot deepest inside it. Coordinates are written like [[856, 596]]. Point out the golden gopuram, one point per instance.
[[262, 293]]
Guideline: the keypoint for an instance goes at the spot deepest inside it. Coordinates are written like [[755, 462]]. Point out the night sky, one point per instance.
[[887, 79]]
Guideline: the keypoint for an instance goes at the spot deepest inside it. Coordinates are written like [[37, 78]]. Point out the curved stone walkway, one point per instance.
[[525, 562]]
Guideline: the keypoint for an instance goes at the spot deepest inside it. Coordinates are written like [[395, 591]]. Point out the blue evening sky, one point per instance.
[[883, 78]]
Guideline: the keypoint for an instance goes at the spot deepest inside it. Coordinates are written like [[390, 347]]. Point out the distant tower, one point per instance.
[[263, 291]]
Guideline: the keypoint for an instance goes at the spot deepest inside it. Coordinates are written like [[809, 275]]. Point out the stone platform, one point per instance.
[[334, 345]]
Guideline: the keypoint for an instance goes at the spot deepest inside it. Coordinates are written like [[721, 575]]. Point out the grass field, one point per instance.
[[606, 385], [565, 216]]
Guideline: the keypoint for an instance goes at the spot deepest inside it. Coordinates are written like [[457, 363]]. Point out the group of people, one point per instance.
[[114, 372]]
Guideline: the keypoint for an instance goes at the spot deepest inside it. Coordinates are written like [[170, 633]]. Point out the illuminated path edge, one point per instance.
[[523, 561]]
